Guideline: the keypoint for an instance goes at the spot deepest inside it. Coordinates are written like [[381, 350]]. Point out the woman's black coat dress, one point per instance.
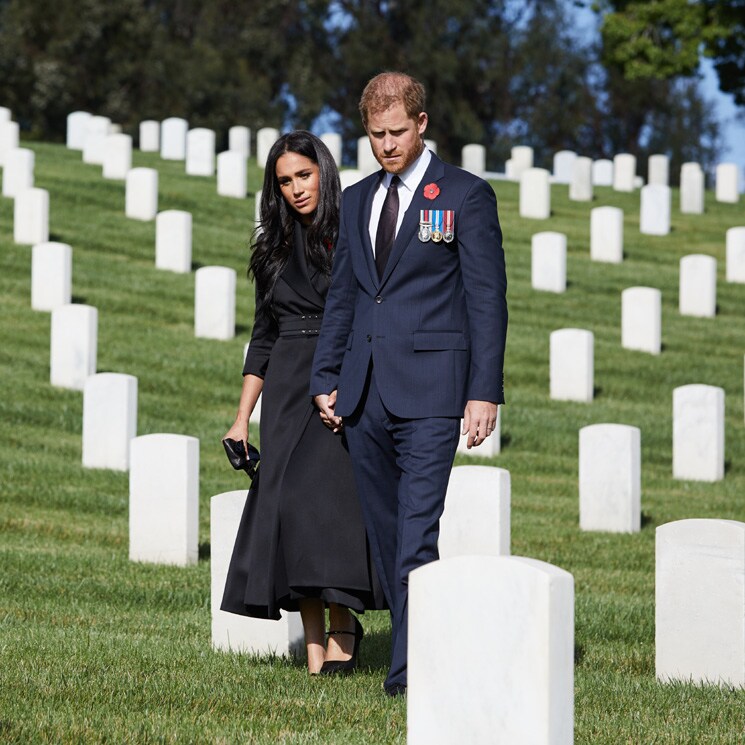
[[301, 534]]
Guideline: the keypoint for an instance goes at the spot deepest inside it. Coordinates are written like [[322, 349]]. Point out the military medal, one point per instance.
[[425, 225], [437, 225], [448, 232]]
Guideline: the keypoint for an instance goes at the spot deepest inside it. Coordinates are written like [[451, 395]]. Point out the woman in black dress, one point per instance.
[[301, 544]]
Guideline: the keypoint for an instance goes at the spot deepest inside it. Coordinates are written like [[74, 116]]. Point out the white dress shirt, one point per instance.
[[410, 180]]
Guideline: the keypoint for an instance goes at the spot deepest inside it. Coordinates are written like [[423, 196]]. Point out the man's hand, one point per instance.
[[326, 403], [479, 421]]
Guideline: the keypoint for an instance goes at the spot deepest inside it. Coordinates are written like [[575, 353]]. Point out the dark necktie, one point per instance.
[[387, 227]]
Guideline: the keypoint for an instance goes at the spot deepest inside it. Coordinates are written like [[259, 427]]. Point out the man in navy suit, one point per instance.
[[413, 336]]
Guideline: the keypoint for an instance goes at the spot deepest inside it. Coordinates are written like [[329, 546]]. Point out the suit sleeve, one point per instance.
[[337, 319], [263, 336], [485, 284]]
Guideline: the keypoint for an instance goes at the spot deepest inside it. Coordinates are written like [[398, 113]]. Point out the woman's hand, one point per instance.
[[238, 432]]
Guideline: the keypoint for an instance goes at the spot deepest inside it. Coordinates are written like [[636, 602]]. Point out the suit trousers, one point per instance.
[[401, 467]]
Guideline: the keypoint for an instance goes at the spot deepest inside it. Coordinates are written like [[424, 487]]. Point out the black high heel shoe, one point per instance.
[[345, 667]]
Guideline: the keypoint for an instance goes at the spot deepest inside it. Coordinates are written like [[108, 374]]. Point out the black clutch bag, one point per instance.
[[239, 459]]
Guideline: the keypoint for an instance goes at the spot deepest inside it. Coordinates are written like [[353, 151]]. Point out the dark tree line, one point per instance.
[[498, 72]]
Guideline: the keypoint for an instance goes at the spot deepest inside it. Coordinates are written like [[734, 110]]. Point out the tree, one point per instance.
[[664, 39]]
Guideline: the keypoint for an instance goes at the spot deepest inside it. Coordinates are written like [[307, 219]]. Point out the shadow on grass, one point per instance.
[[597, 391], [504, 441], [197, 265], [374, 655], [204, 551], [242, 328], [78, 299], [646, 520]]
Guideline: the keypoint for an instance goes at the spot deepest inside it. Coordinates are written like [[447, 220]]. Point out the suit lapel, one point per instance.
[[366, 200], [296, 274], [408, 230]]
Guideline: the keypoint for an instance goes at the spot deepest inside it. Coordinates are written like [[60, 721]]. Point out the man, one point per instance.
[[413, 336]]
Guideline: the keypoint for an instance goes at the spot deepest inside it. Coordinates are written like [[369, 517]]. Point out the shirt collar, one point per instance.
[[412, 174]]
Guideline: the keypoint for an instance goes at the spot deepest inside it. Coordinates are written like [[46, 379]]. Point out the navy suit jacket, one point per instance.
[[435, 325]]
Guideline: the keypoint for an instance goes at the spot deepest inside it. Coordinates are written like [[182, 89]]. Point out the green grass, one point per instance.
[[94, 648]]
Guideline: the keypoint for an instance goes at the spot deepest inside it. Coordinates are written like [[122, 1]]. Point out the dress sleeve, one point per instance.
[[263, 336]]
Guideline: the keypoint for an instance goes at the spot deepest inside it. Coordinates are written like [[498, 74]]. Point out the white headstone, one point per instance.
[[431, 145], [572, 365], [232, 174], [51, 275], [332, 140], [606, 234], [265, 138], [366, 162], [691, 189], [115, 129], [8, 139], [350, 176], [512, 684], [117, 159], [700, 602], [522, 159], [149, 136], [580, 187], [638, 182], [74, 345], [164, 499], [473, 159], [173, 138], [77, 129], [535, 194], [200, 152], [698, 286], [214, 302], [549, 261], [624, 172], [727, 183], [239, 140], [654, 218], [5, 114], [490, 447], [31, 216], [141, 194], [736, 255], [231, 632], [173, 241], [641, 319], [18, 173], [602, 172], [94, 147], [658, 167], [257, 207], [564, 166], [610, 478], [509, 169], [109, 420], [698, 433], [476, 519]]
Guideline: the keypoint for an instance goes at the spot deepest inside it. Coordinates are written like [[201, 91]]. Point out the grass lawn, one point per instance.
[[94, 648]]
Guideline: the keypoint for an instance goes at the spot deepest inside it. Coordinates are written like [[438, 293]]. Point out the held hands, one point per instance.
[[326, 403], [479, 421]]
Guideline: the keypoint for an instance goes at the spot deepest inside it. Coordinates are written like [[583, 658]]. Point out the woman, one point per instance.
[[301, 544]]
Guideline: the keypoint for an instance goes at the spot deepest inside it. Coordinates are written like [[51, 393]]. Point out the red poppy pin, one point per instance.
[[431, 191]]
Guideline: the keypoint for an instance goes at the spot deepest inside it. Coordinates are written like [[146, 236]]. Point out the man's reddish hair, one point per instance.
[[388, 89]]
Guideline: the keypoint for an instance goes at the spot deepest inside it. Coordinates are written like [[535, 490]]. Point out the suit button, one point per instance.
[[378, 299], [369, 338]]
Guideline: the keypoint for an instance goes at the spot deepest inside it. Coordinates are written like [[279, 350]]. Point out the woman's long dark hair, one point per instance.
[[272, 240]]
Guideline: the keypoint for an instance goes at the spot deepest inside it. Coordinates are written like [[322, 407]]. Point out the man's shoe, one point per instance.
[[397, 689]]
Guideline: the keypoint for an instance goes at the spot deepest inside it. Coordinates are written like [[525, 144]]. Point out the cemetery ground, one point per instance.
[[95, 648]]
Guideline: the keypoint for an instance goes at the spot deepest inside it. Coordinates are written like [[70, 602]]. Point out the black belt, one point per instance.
[[309, 325]]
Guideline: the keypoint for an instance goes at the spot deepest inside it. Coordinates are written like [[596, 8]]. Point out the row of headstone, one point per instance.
[[572, 365], [735, 256], [514, 684], [18, 172], [31, 216], [51, 276], [691, 189], [9, 139], [698, 286], [700, 602], [173, 241], [535, 194], [74, 345], [641, 319], [727, 183], [654, 215], [214, 302], [141, 194], [164, 501]]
